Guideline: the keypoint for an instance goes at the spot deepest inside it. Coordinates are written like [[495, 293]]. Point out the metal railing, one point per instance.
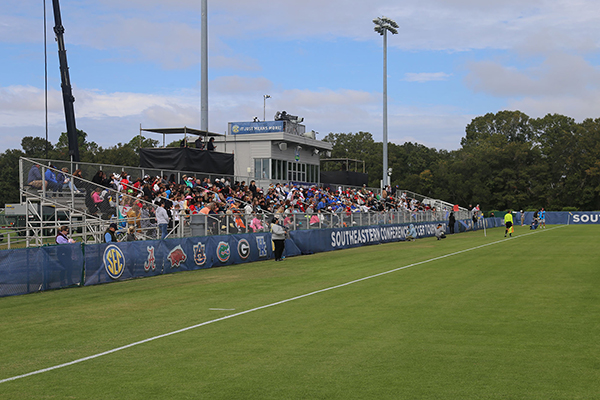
[[70, 205]]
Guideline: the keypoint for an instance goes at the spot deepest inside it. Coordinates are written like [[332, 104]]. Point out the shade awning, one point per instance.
[[182, 131]]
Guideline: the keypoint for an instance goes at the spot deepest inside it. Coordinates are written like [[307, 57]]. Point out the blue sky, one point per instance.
[[137, 62]]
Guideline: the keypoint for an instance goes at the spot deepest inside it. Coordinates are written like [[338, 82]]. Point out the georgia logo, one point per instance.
[[262, 246], [243, 249], [114, 261], [177, 257], [199, 255], [150, 263], [223, 251]]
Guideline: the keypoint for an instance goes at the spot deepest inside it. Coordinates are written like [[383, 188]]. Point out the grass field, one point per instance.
[[471, 317]]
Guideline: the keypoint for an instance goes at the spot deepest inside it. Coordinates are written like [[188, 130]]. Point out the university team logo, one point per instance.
[[243, 249], [150, 263], [177, 257], [262, 246], [199, 254], [114, 261], [223, 251]]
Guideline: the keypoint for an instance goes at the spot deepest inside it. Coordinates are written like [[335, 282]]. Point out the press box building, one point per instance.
[[274, 151]]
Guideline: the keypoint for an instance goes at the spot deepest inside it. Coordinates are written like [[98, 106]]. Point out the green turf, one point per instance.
[[519, 319]]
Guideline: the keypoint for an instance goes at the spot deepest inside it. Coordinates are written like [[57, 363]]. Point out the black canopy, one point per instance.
[[187, 159]]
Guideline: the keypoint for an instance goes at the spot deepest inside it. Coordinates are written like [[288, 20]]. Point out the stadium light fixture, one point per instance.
[[265, 97], [382, 26]]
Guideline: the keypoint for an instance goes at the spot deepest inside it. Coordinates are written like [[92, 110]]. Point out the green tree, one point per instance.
[[9, 176]]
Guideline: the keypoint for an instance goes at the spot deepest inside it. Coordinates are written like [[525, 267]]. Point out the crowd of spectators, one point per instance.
[[242, 206]]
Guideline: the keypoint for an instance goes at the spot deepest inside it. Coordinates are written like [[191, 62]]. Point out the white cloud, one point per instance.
[[426, 76]]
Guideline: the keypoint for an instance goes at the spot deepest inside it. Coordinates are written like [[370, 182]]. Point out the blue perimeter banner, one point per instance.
[[52, 267], [40, 268], [238, 128], [125, 260]]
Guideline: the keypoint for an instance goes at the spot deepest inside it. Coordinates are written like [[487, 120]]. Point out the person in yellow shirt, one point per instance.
[[508, 221]]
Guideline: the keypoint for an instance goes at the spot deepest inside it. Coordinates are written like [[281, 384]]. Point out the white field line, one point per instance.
[[266, 306]]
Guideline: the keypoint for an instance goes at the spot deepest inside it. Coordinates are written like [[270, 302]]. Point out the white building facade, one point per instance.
[[274, 151]]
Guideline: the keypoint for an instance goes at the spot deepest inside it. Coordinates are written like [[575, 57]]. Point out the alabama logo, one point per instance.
[[114, 261], [243, 249], [262, 246], [199, 255], [150, 263], [176, 257], [223, 251]]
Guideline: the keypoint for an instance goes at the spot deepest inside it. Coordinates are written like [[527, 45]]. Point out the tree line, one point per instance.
[[506, 160]]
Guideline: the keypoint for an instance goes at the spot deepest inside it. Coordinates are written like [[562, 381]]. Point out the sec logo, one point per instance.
[[114, 261]]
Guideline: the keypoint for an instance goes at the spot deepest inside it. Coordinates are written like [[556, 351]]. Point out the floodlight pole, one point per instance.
[[386, 177], [382, 26], [204, 69]]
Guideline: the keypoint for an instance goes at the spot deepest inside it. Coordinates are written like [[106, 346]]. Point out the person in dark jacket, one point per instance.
[[109, 234], [451, 222]]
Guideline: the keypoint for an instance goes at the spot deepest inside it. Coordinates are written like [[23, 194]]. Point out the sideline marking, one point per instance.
[[267, 306]]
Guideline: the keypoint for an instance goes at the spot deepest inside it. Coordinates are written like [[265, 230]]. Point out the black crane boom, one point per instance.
[[67, 92]]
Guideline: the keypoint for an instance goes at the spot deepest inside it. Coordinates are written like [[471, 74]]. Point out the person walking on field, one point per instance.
[[508, 221]]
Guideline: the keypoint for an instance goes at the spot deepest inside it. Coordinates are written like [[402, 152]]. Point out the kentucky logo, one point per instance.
[[177, 257], [114, 261], [223, 251], [243, 249], [262, 246], [150, 263], [199, 255]]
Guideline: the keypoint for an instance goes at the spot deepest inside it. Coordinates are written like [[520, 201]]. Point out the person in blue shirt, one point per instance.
[[51, 180], [412, 233], [109, 235], [542, 216]]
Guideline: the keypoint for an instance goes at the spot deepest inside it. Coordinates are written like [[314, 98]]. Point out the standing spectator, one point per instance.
[[278, 233], [109, 234], [542, 215], [134, 216], [199, 144], [522, 218], [451, 222], [162, 218], [210, 146], [62, 237]]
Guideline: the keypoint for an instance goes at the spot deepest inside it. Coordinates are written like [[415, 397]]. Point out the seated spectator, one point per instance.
[[51, 181], [256, 224], [34, 178], [412, 233], [66, 181]]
